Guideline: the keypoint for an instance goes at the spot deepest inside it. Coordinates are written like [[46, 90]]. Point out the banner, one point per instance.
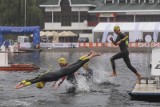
[[91, 45]]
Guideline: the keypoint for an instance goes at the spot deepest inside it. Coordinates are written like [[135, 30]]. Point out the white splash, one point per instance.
[[100, 76], [18, 102], [82, 84]]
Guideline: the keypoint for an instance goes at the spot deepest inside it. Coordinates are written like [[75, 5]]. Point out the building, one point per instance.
[[68, 15], [81, 16], [128, 11]]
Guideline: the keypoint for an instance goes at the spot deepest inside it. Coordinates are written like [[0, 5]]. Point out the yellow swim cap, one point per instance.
[[62, 61], [116, 28], [40, 85]]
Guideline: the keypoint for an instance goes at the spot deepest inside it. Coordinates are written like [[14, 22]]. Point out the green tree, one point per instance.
[[12, 13]]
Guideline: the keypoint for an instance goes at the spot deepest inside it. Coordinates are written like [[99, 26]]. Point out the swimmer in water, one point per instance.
[[54, 76], [70, 78], [88, 72]]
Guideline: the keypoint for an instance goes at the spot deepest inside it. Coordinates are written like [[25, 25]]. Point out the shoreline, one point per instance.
[[100, 49]]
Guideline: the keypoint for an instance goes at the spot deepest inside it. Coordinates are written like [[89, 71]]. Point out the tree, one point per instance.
[[12, 13]]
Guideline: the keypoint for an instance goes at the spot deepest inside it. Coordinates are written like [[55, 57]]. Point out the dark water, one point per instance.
[[104, 92]]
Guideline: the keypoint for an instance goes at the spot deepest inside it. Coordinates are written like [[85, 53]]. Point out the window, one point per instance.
[[122, 1], [147, 18], [83, 16], [57, 17], [116, 1], [108, 1], [134, 1], [48, 17], [141, 1], [65, 13], [74, 17], [92, 18], [103, 19], [125, 18], [149, 1]]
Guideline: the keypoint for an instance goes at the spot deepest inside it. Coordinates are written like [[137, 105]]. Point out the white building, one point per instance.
[[81, 16]]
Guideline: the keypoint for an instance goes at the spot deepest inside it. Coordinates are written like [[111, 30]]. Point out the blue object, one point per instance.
[[35, 30], [6, 43]]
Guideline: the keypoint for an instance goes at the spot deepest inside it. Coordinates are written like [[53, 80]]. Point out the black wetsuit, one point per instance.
[[123, 54], [54, 76]]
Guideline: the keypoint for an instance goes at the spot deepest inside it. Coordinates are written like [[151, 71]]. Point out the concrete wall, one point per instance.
[[74, 26]]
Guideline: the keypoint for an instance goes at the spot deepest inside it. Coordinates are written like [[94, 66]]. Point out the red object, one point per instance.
[[19, 67], [98, 14], [114, 14]]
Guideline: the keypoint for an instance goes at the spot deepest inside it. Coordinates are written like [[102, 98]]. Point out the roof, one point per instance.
[[128, 26], [126, 7], [51, 2], [73, 2]]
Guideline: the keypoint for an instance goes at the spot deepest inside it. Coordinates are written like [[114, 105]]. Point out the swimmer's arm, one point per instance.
[[62, 79], [125, 38], [54, 84], [114, 42]]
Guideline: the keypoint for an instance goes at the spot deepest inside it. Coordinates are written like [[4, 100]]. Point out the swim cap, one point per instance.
[[116, 28], [62, 61], [40, 85]]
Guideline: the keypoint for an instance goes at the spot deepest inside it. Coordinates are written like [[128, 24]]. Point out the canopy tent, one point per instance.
[[133, 27], [128, 26], [54, 33], [48, 33], [66, 33]]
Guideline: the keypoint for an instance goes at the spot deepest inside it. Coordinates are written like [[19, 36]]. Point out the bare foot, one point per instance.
[[113, 74], [95, 53], [90, 52], [139, 79]]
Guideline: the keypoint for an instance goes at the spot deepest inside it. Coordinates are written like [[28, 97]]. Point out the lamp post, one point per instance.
[[25, 14]]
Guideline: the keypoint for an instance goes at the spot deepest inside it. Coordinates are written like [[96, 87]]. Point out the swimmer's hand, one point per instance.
[[111, 38], [118, 42]]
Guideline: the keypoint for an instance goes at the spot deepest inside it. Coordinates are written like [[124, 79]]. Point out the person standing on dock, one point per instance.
[[122, 41]]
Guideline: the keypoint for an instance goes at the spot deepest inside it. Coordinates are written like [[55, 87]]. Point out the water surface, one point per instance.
[[104, 92]]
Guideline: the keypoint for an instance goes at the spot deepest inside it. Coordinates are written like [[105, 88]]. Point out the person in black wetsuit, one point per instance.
[[122, 41], [54, 76], [70, 78]]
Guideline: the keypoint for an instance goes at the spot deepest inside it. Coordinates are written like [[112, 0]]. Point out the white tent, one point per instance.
[[42, 33], [66, 33], [54, 33], [134, 28], [129, 26]]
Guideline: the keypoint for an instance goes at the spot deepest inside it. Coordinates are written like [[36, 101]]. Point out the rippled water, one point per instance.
[[104, 92]]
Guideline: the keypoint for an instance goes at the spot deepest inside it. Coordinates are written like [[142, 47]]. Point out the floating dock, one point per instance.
[[149, 88], [4, 66], [19, 67]]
